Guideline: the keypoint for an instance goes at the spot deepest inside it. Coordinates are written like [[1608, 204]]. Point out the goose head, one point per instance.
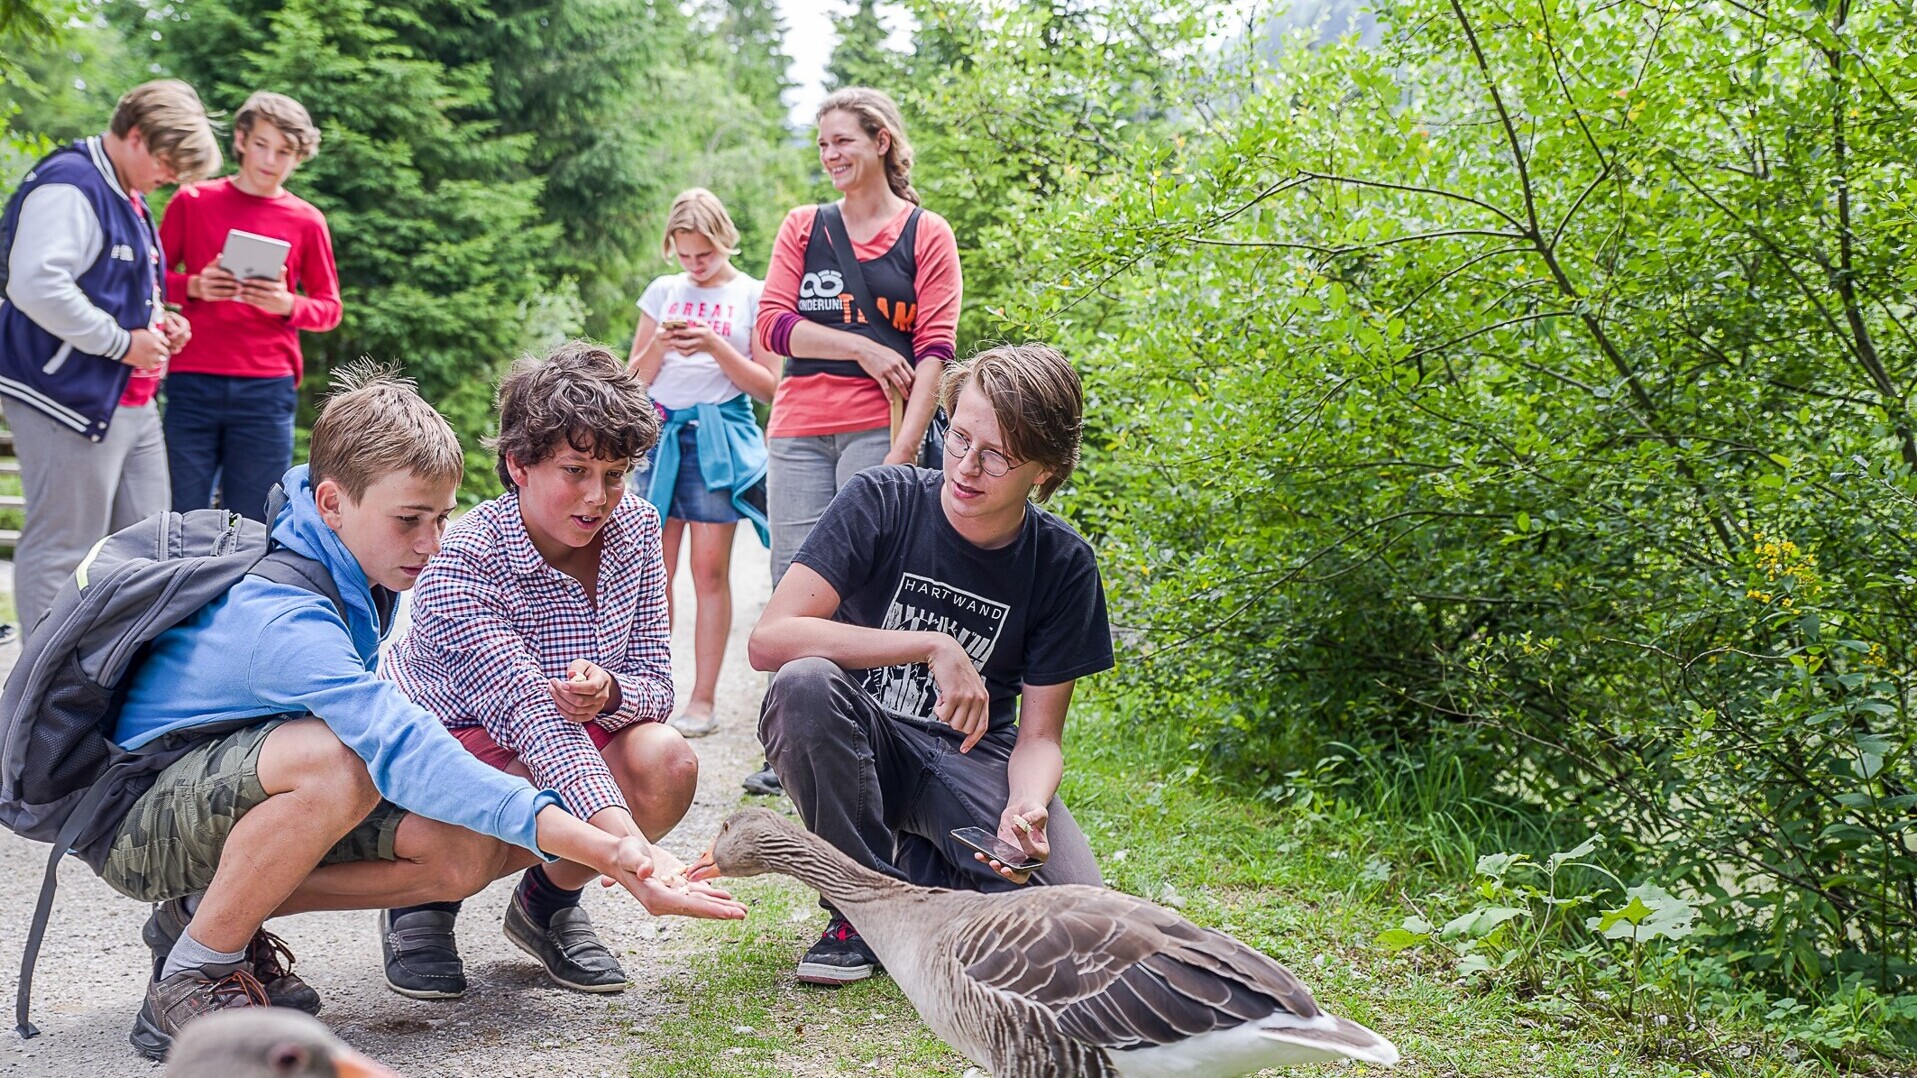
[[266, 1042], [751, 842]]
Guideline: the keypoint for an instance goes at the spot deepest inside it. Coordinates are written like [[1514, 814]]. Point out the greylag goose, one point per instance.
[[265, 1042], [1060, 982]]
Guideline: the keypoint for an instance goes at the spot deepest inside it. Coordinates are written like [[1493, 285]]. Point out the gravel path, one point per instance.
[[93, 968]]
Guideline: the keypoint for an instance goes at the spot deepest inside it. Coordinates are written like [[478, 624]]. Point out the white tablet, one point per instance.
[[249, 255]]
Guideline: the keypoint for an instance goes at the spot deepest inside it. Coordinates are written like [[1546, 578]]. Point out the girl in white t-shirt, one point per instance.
[[694, 347]]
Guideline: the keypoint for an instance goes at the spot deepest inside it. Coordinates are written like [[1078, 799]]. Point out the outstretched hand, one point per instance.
[[669, 891], [688, 899], [630, 865]]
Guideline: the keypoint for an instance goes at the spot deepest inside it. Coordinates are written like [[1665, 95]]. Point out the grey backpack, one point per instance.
[[62, 778]]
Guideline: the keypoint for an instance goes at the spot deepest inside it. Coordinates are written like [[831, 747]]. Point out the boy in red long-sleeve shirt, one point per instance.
[[232, 393]]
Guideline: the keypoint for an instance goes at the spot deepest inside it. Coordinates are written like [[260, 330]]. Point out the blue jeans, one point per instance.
[[691, 499], [233, 434]]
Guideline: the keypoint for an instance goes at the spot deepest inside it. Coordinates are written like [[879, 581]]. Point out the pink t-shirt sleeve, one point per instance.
[[781, 295]]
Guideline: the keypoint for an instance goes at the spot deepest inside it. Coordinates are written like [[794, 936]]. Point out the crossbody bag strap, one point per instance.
[[895, 338]]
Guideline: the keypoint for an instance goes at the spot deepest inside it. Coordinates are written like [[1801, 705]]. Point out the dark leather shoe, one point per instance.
[[568, 948], [422, 961], [273, 967]]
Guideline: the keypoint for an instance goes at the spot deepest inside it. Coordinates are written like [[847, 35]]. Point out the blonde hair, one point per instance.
[[287, 115], [174, 125], [1036, 398], [876, 111], [375, 423], [699, 211]]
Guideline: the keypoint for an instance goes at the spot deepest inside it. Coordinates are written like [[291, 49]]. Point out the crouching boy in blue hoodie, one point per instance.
[[343, 794]]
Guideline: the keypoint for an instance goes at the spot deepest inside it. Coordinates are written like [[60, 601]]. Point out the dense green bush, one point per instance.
[[1536, 382]]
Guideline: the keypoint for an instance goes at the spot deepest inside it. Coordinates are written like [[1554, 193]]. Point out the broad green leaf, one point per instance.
[[1394, 940], [1581, 851], [1480, 923]]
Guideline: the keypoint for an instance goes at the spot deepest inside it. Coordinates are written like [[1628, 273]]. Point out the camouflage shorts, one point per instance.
[[170, 842]]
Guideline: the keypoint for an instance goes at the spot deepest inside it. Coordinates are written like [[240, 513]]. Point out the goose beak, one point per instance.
[[350, 1064], [705, 868]]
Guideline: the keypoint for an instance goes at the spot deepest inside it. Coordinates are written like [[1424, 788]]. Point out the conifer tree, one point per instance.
[[757, 64], [435, 218], [861, 57]]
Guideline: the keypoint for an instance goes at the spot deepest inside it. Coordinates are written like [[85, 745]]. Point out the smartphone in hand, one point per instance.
[[997, 849]]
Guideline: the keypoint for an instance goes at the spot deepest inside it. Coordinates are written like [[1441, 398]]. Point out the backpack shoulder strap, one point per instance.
[[43, 907], [295, 570], [284, 566]]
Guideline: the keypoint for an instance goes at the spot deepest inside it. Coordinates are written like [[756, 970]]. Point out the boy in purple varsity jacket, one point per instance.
[[84, 332]]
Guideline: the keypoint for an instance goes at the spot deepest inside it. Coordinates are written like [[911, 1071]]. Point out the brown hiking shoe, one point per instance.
[[172, 1003], [270, 959], [273, 968]]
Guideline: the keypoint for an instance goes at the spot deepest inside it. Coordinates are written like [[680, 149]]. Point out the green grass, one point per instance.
[[1311, 888], [739, 1011]]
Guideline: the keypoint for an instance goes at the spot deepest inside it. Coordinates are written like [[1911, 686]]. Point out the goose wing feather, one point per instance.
[[1121, 973]]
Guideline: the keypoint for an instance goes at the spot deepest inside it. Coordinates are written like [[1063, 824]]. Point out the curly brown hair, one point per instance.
[[580, 392]]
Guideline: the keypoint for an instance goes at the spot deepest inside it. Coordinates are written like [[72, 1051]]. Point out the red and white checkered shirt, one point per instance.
[[492, 621]]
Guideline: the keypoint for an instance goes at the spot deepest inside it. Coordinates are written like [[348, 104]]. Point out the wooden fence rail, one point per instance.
[[12, 505]]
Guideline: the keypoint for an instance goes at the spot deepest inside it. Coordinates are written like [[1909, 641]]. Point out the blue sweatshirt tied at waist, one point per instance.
[[265, 649], [732, 457]]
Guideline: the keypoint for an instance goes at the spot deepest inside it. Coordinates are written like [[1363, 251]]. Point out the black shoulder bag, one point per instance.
[[932, 449]]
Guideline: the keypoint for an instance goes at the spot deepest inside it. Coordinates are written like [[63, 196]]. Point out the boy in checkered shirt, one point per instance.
[[301, 780], [540, 638]]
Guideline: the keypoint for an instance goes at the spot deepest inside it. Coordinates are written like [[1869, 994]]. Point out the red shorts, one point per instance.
[[481, 744]]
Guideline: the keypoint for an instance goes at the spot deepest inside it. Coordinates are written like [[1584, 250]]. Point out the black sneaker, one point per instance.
[[840, 957], [268, 957], [422, 961], [763, 782], [568, 947]]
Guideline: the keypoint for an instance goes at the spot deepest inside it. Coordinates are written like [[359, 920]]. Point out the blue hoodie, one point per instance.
[[266, 649]]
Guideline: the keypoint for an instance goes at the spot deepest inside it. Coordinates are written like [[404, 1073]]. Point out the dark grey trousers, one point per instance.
[[888, 792]]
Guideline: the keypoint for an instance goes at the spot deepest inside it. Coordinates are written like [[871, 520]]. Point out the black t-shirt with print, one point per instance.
[[1031, 612]]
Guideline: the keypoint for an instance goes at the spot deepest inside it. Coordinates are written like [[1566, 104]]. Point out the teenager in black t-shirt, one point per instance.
[[926, 640]]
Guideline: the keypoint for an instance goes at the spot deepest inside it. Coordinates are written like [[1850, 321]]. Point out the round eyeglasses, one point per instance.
[[993, 462]]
